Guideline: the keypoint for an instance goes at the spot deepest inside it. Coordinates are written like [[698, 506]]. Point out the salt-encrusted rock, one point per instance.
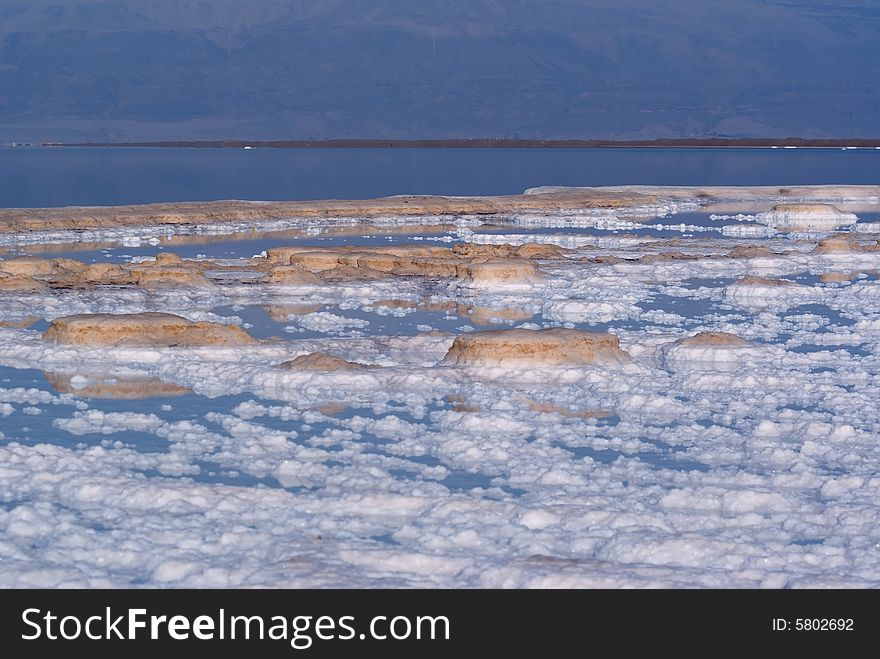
[[526, 251], [713, 340], [20, 283], [292, 275], [816, 217], [749, 252], [104, 274], [143, 329], [16, 220], [663, 257], [68, 266], [166, 258], [522, 347], [406, 266], [169, 276], [321, 361], [44, 270], [474, 263], [837, 245], [712, 350], [342, 273], [168, 270], [28, 266], [539, 251], [499, 271]]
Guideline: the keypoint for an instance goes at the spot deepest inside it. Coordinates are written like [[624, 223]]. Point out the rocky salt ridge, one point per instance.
[[643, 200]]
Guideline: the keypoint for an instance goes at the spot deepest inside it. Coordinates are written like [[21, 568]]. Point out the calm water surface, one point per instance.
[[100, 176]]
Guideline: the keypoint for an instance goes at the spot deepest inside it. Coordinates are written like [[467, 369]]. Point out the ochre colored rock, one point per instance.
[[713, 339], [104, 273], [539, 251], [835, 245], [20, 283], [663, 257], [475, 251], [166, 258], [292, 275], [500, 271], [28, 266], [521, 347], [749, 252], [493, 263], [143, 329], [342, 273], [163, 276], [321, 361]]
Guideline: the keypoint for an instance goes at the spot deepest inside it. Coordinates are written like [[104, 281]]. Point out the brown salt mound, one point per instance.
[[321, 361], [143, 329], [20, 283], [714, 340], [522, 346], [291, 275], [540, 251], [170, 276], [837, 245], [749, 252], [104, 273], [343, 273], [499, 271], [28, 266]]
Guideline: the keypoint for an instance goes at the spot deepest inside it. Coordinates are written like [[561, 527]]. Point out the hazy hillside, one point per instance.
[[149, 69]]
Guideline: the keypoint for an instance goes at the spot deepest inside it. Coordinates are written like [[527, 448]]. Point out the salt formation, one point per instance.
[[522, 347], [807, 217], [476, 264], [761, 292], [142, 329], [715, 349], [322, 362]]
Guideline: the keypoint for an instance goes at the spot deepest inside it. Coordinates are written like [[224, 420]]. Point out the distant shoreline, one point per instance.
[[486, 143]]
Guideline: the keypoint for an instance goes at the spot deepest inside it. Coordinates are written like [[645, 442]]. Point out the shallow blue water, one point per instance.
[[100, 176]]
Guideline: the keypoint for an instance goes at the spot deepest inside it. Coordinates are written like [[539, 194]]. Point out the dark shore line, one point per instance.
[[484, 143]]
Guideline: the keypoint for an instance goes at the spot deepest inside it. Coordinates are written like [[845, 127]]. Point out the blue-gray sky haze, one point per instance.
[[301, 69]]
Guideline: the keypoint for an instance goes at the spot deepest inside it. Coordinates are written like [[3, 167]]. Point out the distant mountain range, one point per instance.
[[145, 70]]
